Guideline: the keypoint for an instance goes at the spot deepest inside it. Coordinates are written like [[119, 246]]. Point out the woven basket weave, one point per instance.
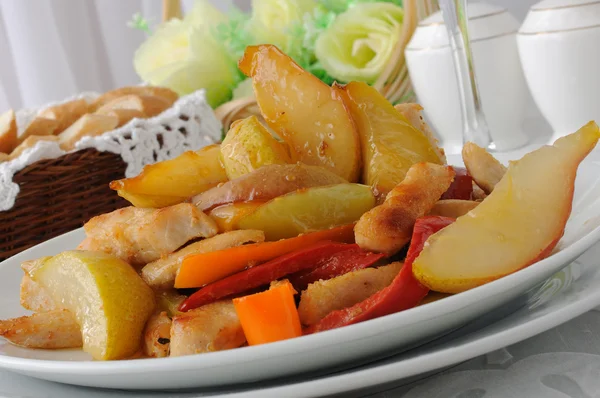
[[59, 195]]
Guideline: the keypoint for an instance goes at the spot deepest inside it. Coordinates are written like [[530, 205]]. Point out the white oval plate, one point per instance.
[[369, 340], [568, 294]]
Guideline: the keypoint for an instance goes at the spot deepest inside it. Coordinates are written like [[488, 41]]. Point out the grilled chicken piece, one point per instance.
[[160, 274], [139, 236], [323, 297], [213, 327], [482, 166], [453, 208], [157, 335], [34, 297], [412, 113], [54, 329], [388, 227]]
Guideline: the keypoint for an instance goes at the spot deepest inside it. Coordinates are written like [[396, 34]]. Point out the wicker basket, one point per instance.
[[59, 195], [393, 83]]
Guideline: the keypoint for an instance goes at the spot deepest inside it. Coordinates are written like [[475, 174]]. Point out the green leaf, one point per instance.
[[339, 6], [317, 70], [139, 22], [234, 34]]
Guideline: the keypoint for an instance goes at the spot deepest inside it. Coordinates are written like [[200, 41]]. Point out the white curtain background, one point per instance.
[[53, 49]]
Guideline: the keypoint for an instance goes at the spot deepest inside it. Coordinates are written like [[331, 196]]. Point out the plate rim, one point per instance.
[[373, 375]]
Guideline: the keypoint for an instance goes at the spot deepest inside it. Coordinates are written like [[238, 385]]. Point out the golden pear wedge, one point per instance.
[[390, 144], [305, 112], [519, 223], [184, 176], [248, 146], [110, 300], [309, 210]]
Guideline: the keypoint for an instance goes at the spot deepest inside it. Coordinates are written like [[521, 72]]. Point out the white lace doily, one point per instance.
[[189, 125]]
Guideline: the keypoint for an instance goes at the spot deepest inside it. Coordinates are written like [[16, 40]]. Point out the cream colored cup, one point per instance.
[[559, 45]]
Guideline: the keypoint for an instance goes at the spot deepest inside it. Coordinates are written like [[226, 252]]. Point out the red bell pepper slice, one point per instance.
[[264, 273], [198, 270], [403, 293], [461, 187], [338, 264]]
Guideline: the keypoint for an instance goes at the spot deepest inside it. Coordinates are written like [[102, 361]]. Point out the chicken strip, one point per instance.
[[452, 208], [157, 335], [482, 166], [34, 297], [412, 113], [323, 297], [50, 330], [213, 327], [160, 274], [388, 227], [139, 236]]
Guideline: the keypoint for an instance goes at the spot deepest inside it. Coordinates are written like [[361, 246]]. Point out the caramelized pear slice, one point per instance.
[[390, 144], [519, 223], [108, 298], [311, 209], [305, 112]]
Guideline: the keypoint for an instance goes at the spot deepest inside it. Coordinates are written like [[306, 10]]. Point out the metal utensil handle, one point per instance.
[[475, 127]]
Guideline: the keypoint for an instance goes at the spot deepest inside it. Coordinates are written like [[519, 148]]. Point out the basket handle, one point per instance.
[[393, 81], [171, 9]]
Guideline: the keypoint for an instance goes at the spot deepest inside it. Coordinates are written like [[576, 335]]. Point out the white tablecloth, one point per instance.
[[562, 362]]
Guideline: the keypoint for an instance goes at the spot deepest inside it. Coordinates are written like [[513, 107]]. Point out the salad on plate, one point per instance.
[[333, 207]]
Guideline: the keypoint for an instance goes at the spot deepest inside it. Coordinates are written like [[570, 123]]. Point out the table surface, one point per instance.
[[562, 362]]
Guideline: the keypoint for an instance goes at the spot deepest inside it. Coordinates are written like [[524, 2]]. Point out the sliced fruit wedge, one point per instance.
[[248, 146], [519, 223], [109, 299], [305, 112], [184, 176], [150, 201], [228, 216], [310, 209], [390, 144]]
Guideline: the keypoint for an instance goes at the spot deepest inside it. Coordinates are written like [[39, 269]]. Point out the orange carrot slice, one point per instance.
[[200, 269], [270, 315]]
